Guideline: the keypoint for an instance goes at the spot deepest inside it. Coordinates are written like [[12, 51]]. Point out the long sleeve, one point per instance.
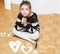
[[18, 24], [34, 24]]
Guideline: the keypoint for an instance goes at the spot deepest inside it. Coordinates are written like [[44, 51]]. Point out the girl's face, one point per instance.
[[25, 10]]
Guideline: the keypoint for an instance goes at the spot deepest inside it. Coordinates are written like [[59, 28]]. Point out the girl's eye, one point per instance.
[[22, 9], [26, 9]]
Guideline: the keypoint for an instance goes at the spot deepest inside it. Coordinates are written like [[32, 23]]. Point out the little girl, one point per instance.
[[27, 26]]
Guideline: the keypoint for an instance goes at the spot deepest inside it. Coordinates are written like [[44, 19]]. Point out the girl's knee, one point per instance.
[[35, 36], [13, 30]]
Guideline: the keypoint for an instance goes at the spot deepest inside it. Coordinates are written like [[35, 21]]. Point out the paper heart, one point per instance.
[[2, 34], [9, 35], [15, 45], [23, 49]]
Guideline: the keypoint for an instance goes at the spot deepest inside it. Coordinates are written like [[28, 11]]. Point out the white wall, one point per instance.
[[7, 3], [46, 6], [43, 6], [57, 7], [16, 1]]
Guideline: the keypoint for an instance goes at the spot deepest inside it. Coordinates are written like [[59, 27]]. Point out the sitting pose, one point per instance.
[[27, 26]]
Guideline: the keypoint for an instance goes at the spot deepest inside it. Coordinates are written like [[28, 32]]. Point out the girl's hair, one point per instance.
[[25, 3]]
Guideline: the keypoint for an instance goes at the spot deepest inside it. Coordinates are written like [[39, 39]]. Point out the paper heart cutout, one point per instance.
[[14, 45], [2, 34], [9, 35], [23, 49]]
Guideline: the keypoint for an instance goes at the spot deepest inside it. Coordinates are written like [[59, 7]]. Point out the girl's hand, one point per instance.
[[24, 21]]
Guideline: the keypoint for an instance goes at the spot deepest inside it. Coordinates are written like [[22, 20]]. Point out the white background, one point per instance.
[[43, 6]]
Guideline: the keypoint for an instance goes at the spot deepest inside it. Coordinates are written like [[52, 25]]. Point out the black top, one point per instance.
[[32, 24]]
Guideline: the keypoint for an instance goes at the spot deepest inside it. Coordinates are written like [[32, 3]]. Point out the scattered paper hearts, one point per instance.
[[4, 34], [15, 46]]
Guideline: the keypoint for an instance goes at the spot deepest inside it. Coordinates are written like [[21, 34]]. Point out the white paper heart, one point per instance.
[[2, 34], [16, 44], [9, 35], [23, 49]]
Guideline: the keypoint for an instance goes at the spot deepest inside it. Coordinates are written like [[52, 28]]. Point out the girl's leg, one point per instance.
[[34, 36], [24, 35]]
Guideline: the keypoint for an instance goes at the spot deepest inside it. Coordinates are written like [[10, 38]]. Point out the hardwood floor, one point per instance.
[[49, 41]]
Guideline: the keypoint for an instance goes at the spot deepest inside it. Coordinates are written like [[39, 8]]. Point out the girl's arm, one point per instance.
[[18, 24]]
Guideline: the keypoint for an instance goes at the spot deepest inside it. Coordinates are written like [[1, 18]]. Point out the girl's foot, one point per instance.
[[35, 44]]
